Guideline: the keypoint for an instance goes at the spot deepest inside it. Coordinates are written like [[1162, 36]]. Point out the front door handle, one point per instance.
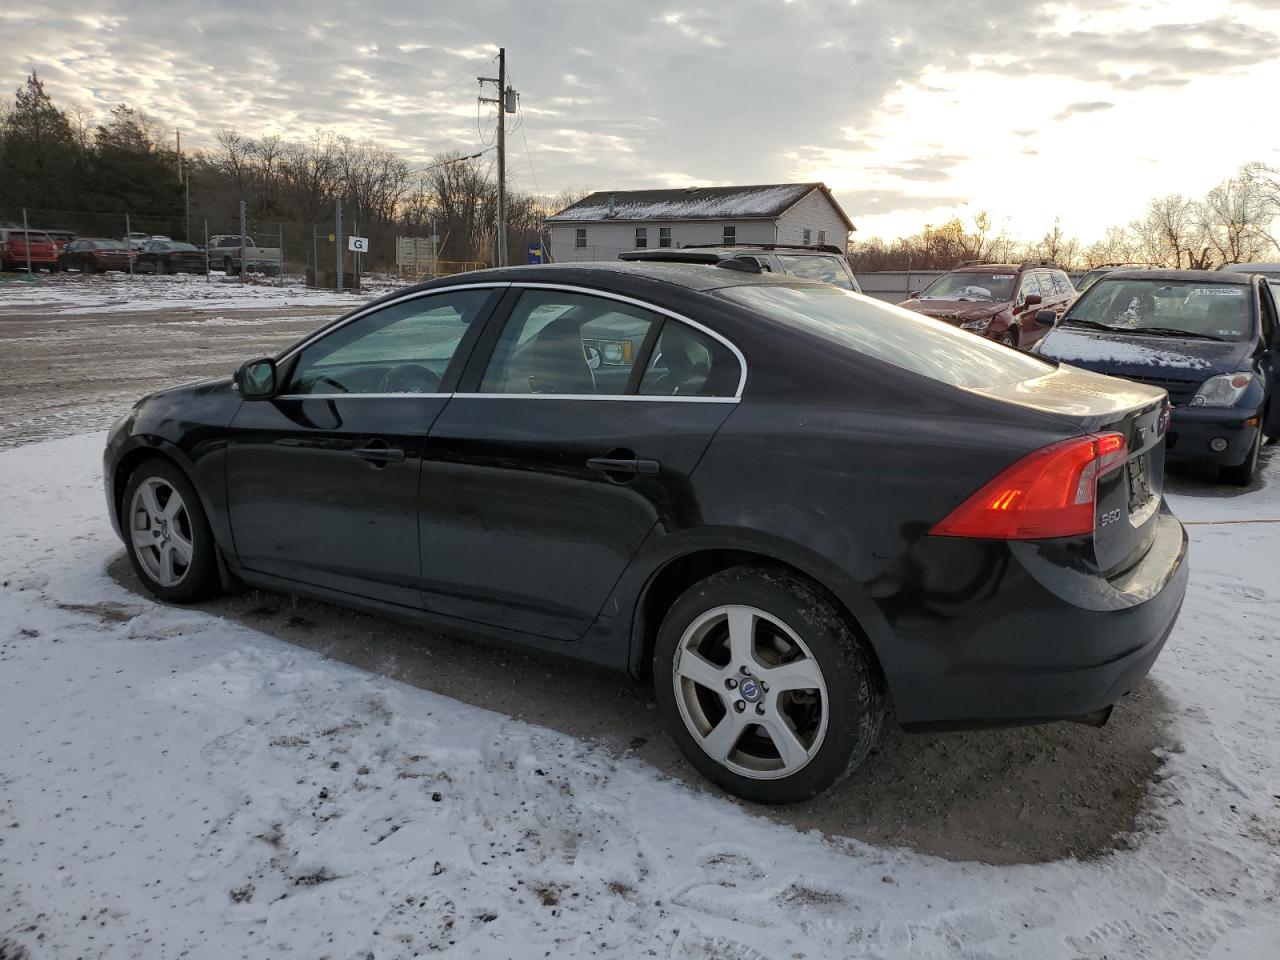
[[378, 453], [632, 466]]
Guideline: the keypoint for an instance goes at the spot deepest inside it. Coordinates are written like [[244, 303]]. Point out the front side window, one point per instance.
[[580, 237], [826, 269], [730, 235], [688, 363], [664, 236], [890, 334], [1190, 308], [572, 344], [405, 347], [1030, 285], [642, 237]]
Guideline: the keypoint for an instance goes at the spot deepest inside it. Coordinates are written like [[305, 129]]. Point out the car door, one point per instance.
[[545, 472], [322, 479], [1269, 359]]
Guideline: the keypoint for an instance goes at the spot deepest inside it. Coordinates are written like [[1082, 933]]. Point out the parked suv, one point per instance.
[[996, 300], [20, 247], [821, 262]]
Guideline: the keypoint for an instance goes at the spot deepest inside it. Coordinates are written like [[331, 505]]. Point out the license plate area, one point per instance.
[[1141, 494]]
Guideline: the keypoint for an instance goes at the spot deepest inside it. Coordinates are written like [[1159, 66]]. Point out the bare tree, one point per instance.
[[1234, 218]]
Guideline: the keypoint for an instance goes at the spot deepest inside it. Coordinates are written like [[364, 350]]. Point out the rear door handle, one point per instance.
[[633, 466], [380, 454]]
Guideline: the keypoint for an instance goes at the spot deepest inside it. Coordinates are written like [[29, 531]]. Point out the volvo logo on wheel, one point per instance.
[[750, 690]]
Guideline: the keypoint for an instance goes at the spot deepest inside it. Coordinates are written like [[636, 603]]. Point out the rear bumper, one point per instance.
[[1194, 428], [991, 633]]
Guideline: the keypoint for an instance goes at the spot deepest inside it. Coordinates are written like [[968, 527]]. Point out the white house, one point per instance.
[[601, 226]]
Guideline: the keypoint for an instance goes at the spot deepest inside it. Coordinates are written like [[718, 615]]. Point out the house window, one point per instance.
[[580, 238], [642, 237], [822, 236], [730, 233], [664, 236], [805, 241]]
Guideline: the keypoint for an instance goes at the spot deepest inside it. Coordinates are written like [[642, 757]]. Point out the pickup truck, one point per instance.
[[224, 252]]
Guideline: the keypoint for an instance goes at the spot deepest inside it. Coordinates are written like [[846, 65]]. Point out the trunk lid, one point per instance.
[[1129, 495]]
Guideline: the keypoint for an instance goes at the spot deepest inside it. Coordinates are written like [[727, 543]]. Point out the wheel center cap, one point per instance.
[[750, 690]]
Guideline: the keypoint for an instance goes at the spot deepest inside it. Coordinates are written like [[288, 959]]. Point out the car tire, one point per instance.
[[1241, 475], [722, 644], [170, 544]]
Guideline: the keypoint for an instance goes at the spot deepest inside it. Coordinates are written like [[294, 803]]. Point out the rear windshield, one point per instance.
[[1215, 311], [827, 269], [972, 285], [107, 244], [185, 247], [34, 236], [905, 339]]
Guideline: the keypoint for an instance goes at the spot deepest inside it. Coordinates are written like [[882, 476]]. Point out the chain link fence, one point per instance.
[[292, 252]]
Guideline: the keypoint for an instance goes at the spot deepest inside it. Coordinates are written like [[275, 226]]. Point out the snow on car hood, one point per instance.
[[956, 310], [1122, 353]]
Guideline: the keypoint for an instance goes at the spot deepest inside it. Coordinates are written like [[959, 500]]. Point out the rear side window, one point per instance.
[[899, 337], [827, 269], [688, 363]]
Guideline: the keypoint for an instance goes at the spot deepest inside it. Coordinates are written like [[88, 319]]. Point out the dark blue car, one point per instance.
[[1209, 338]]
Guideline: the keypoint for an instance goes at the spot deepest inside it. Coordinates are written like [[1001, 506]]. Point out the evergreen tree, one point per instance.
[[40, 161]]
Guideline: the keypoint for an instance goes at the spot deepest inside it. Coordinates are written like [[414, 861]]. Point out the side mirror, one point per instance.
[[1033, 300], [257, 379], [1046, 318], [913, 295]]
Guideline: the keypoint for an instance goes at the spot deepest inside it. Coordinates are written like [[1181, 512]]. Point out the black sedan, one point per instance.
[[785, 504], [1210, 338], [171, 256]]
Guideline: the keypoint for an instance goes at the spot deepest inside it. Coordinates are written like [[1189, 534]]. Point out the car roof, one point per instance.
[[1247, 267], [1204, 276], [698, 277]]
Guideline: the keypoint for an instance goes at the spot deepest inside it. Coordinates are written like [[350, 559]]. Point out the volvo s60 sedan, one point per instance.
[[786, 505]]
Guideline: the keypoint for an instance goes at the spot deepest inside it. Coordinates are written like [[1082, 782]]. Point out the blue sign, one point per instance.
[[535, 253]]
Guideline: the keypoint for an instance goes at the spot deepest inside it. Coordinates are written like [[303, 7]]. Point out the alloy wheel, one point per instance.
[[750, 692], [161, 532]]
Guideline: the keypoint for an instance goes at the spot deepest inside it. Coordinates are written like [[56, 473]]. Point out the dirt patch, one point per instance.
[[1018, 795]]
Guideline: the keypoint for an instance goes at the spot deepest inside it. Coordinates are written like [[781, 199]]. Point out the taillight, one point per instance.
[[1049, 493]]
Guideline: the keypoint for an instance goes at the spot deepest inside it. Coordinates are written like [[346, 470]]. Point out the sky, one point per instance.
[[912, 111]]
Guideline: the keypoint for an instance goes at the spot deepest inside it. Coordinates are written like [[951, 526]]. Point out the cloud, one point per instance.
[[1084, 106]]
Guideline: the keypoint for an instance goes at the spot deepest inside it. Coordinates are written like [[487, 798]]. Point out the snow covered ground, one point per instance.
[[70, 294], [173, 784]]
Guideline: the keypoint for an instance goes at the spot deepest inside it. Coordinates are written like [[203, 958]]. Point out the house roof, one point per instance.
[[759, 202]]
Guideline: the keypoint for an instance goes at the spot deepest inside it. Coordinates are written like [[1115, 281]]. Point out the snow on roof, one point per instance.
[[692, 203]]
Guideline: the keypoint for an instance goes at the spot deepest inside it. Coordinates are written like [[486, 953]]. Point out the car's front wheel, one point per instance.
[[167, 534], [766, 688]]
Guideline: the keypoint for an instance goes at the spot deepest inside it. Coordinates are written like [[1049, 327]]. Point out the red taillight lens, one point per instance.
[[1049, 493]]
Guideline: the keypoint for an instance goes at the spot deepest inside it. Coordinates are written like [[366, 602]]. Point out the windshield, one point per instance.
[[900, 337], [1089, 279], [827, 269], [971, 285], [108, 245], [179, 246], [1217, 311]]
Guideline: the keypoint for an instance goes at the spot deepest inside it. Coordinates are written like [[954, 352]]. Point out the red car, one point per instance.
[[94, 255], [998, 301], [20, 247]]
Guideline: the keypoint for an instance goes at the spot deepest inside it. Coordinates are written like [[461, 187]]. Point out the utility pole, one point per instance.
[[337, 237], [506, 103], [26, 239], [244, 242]]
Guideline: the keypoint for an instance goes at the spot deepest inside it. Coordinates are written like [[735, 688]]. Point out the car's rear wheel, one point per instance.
[[766, 688], [1241, 475], [167, 534]]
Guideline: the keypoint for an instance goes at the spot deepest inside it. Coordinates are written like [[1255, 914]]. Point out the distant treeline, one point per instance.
[[56, 160]]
